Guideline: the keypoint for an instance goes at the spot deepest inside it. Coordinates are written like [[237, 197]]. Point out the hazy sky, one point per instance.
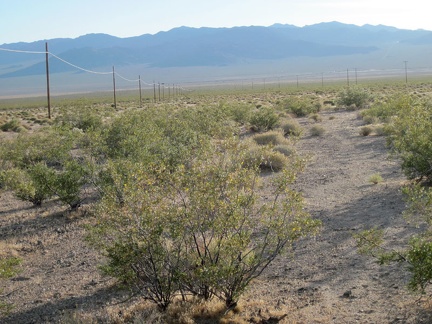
[[31, 20]]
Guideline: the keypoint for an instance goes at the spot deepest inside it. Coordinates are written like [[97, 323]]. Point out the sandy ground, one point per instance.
[[324, 280]]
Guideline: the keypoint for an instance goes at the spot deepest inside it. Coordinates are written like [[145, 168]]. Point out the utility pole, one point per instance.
[[406, 72], [348, 77], [322, 79], [139, 84], [47, 78], [297, 81], [356, 74], [163, 91], [114, 86]]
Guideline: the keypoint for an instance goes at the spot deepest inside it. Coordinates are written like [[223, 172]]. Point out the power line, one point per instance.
[[19, 51], [78, 67]]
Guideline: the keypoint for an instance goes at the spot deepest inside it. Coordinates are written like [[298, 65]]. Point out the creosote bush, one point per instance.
[[41, 165], [353, 98], [263, 119], [300, 107], [410, 137], [198, 229]]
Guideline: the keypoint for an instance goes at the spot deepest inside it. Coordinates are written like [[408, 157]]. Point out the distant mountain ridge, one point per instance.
[[192, 47]]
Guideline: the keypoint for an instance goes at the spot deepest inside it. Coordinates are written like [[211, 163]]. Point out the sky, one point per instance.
[[32, 20]]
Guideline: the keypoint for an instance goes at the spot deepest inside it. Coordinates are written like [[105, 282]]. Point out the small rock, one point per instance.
[[347, 294]]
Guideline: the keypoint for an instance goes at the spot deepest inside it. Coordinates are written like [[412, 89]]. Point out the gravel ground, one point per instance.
[[324, 280]]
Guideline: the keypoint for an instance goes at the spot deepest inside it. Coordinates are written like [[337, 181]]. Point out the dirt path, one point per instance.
[[327, 281], [337, 284]]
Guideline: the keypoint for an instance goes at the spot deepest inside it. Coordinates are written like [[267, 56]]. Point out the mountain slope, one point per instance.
[[189, 47]]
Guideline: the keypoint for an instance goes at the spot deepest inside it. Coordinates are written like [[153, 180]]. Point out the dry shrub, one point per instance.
[[317, 130], [196, 310], [366, 130]]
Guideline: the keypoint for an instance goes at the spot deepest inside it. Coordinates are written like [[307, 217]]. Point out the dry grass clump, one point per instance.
[[380, 130], [375, 178], [315, 117], [292, 127], [13, 125], [264, 158], [285, 149], [275, 137], [317, 130], [192, 311]]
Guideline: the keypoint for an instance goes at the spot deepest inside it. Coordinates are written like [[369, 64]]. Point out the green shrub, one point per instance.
[[410, 136], [300, 107], [240, 113], [264, 119], [385, 110], [31, 184], [41, 165], [353, 98], [8, 269], [80, 118], [200, 230]]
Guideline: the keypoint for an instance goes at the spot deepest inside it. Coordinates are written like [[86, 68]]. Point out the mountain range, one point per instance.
[[334, 44]]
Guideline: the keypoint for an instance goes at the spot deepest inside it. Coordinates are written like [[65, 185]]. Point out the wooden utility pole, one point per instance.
[[406, 72], [48, 82], [114, 86], [139, 84], [154, 91], [356, 74], [348, 77]]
